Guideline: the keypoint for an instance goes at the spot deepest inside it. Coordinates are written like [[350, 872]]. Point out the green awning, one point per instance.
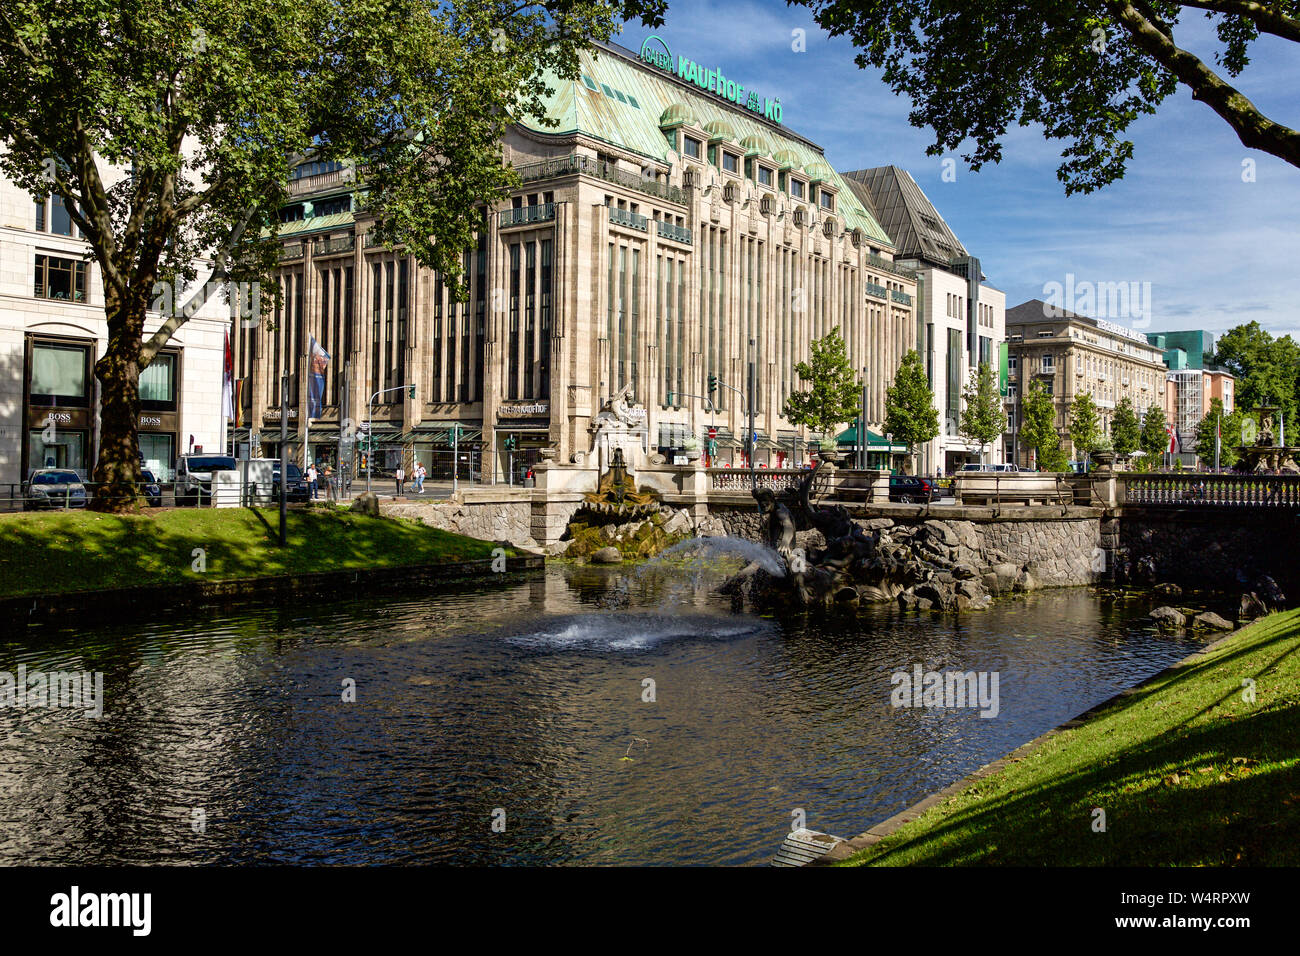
[[875, 442]]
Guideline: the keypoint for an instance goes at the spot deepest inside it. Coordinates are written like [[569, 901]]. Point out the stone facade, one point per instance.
[[1070, 354], [40, 315], [653, 239]]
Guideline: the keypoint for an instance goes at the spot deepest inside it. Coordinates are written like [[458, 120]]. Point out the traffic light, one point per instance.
[[413, 391], [364, 466], [670, 398], [510, 442], [713, 384]]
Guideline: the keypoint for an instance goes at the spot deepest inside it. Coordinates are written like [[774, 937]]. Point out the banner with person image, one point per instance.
[[318, 360]]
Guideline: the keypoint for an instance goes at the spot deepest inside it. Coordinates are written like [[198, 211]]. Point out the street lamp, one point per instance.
[[370, 426]]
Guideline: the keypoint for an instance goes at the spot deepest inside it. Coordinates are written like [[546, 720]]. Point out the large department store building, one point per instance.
[[668, 229]]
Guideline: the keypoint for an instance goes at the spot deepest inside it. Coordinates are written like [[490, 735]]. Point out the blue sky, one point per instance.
[[1217, 251]]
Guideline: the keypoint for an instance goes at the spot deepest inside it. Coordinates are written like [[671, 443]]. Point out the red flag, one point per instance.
[[227, 383]]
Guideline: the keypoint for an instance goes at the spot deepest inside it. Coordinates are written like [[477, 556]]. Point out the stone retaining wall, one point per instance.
[[1057, 552], [491, 520]]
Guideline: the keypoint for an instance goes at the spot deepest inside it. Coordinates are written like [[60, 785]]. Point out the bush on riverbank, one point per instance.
[[1188, 771], [62, 551]]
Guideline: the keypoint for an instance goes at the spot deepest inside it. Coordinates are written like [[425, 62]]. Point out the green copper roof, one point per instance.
[[607, 117]]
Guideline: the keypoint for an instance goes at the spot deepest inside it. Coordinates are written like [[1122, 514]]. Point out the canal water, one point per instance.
[[515, 723]]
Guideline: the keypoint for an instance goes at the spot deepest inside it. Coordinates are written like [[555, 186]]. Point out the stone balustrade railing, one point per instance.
[[1195, 489], [740, 480]]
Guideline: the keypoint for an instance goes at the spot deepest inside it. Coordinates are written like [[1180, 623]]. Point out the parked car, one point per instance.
[[909, 488], [296, 487], [194, 477], [54, 488], [1015, 468], [152, 490], [976, 466]]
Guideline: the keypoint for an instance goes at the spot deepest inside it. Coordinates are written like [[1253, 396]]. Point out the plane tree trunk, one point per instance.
[[117, 471]]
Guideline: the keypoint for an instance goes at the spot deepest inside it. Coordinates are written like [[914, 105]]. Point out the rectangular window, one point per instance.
[[58, 278], [691, 147], [60, 220], [158, 384], [60, 374], [1049, 362], [764, 176], [730, 161], [796, 188], [530, 320], [512, 384], [827, 200], [544, 366]]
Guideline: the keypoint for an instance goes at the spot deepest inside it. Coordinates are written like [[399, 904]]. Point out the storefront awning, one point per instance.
[[849, 438]]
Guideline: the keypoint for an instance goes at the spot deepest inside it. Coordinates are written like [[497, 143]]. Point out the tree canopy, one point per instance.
[[910, 415], [983, 419], [1085, 425], [170, 132], [1154, 439], [1038, 429], [1084, 70], [1125, 428], [1266, 369], [834, 395], [1229, 431]]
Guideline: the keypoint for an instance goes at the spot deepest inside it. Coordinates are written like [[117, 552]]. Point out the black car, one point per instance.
[[151, 490], [296, 487], [910, 488]]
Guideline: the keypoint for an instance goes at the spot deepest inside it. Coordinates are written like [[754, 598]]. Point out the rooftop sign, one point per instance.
[[655, 52]]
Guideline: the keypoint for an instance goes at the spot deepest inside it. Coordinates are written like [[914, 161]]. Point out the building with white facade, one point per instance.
[[960, 319], [52, 331]]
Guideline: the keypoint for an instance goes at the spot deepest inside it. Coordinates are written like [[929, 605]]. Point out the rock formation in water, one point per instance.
[[920, 567]]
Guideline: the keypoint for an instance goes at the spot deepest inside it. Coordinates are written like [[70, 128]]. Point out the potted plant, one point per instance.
[[828, 451], [691, 448], [1103, 453]]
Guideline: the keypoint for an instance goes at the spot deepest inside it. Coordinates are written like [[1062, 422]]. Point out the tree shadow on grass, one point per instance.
[[1244, 819], [56, 552]]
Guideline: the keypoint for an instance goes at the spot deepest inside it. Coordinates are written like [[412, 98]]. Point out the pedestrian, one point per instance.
[[401, 479], [419, 478], [312, 480], [330, 491]]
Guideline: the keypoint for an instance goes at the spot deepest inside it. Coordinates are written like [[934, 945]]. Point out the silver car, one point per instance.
[[54, 488]]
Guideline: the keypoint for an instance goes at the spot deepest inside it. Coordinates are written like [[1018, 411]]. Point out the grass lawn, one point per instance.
[[1188, 773], [60, 551]]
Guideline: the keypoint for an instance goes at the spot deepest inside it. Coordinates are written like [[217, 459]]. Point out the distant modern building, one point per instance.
[[1188, 349], [1188, 395], [960, 319], [1192, 383], [1070, 353]]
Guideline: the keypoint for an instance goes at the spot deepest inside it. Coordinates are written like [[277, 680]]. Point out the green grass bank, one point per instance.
[[1188, 771], [68, 551]]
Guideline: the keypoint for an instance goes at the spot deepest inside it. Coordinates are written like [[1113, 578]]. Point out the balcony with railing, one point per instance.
[[902, 298], [668, 230], [877, 291], [525, 215], [886, 265], [629, 220], [330, 247], [305, 185], [292, 250], [587, 166]]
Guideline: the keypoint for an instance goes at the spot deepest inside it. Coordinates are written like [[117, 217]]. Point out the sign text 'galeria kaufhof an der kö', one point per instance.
[[655, 52]]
